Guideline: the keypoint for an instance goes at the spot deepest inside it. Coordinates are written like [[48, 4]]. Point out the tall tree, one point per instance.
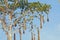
[[23, 17]]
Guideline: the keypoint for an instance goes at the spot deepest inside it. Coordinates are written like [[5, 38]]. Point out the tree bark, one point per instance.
[[20, 34], [38, 35], [9, 36], [14, 36]]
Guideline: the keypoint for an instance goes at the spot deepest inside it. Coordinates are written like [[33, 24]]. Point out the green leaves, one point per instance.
[[46, 8], [36, 6]]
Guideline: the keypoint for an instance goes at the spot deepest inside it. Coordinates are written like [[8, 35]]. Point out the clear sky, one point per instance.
[[51, 29]]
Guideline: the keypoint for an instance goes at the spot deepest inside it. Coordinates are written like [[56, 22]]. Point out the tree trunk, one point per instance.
[[32, 36], [20, 34], [38, 35], [14, 36], [9, 36]]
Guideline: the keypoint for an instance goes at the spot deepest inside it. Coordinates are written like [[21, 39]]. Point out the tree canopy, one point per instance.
[[10, 19]]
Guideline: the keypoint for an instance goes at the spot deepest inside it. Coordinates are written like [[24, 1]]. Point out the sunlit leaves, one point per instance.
[[34, 5], [2, 8], [31, 17]]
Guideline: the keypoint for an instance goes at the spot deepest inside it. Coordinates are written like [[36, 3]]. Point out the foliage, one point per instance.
[[25, 15]]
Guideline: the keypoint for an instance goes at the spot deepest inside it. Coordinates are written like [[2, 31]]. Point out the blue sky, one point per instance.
[[51, 29]]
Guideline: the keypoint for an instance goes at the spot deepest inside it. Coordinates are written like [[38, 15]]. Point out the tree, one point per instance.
[[25, 15]]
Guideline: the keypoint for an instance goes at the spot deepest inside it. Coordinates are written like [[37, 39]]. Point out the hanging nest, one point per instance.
[[47, 18], [15, 22], [23, 32]]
